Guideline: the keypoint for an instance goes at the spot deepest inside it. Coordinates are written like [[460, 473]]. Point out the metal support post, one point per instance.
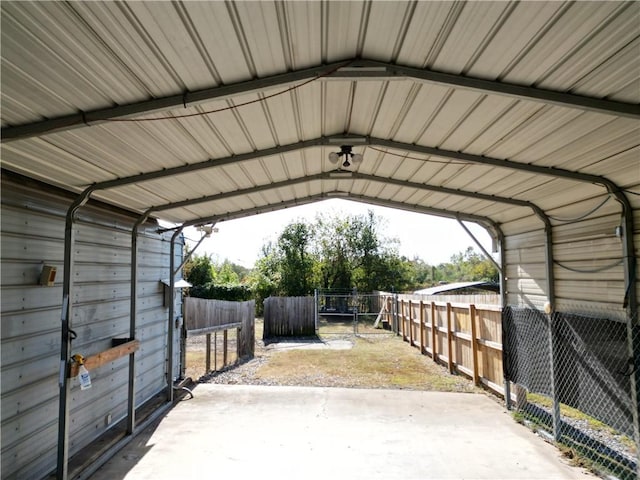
[[555, 413], [67, 335]]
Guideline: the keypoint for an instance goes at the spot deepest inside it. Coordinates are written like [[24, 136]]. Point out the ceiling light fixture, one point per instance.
[[345, 151]]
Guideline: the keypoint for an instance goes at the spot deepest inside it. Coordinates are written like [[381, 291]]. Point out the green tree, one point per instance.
[[199, 270], [295, 259], [468, 266], [227, 274]]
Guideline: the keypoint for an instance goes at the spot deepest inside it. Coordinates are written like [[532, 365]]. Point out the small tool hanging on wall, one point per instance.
[[83, 374]]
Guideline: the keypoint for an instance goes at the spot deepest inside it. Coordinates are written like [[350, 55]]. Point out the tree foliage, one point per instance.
[[332, 252]]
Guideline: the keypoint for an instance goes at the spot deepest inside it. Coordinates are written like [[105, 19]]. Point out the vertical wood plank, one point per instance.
[[402, 326], [421, 306], [434, 333], [474, 343], [208, 352], [215, 351], [449, 338], [411, 324], [225, 340]]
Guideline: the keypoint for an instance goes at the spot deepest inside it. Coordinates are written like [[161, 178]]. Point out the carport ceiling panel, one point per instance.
[[607, 62], [481, 114], [567, 34], [389, 166], [264, 122], [424, 32], [60, 66], [384, 25], [589, 153], [503, 182], [574, 195], [245, 174], [302, 46], [126, 149], [390, 109], [508, 37], [530, 131], [623, 75], [337, 102], [466, 34], [622, 169], [501, 212], [584, 132], [39, 159], [409, 108], [133, 197], [173, 41], [294, 165]]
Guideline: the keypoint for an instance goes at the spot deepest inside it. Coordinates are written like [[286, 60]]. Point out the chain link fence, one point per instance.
[[347, 311], [578, 381]]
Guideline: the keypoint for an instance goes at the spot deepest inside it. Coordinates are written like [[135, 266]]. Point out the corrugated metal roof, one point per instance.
[[269, 125], [459, 286]]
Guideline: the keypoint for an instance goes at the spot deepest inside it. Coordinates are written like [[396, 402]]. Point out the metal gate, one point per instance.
[[349, 312]]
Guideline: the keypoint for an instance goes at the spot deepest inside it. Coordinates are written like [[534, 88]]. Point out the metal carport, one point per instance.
[[520, 116]]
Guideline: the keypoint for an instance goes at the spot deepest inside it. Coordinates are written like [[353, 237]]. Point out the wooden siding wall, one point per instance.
[[203, 316], [467, 338], [289, 317], [33, 218]]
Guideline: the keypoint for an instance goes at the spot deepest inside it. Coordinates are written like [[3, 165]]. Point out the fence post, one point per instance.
[[411, 324], [422, 349], [317, 307], [238, 330], [474, 344], [224, 346], [215, 351], [554, 393], [208, 361], [395, 314], [449, 339], [434, 333], [401, 318]]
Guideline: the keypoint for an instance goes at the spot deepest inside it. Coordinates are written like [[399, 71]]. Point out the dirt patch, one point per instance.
[[317, 344]]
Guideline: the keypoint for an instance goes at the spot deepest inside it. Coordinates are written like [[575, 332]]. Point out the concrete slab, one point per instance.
[[241, 431]]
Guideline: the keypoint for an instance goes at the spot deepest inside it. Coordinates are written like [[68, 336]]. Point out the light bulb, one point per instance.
[[356, 157], [334, 157]]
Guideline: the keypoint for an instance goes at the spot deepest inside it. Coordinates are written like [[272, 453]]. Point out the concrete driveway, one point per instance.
[[244, 432]]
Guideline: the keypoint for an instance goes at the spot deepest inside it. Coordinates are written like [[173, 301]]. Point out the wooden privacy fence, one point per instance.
[[465, 337], [204, 317], [289, 317]]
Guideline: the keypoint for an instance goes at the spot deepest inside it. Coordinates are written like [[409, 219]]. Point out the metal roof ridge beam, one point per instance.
[[323, 196], [497, 162], [375, 69], [355, 176], [630, 300], [348, 69], [211, 163], [101, 115]]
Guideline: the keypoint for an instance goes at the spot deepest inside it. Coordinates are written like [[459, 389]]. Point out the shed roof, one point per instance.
[[459, 286], [475, 110]]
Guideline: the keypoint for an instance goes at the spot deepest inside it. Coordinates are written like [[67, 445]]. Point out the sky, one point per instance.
[[433, 239]]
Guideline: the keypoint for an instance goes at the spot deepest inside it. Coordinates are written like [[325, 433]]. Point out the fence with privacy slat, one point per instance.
[[204, 316], [467, 338], [289, 317]]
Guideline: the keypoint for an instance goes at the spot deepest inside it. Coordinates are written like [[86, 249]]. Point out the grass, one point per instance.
[[574, 413], [383, 361], [380, 360], [579, 454]]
